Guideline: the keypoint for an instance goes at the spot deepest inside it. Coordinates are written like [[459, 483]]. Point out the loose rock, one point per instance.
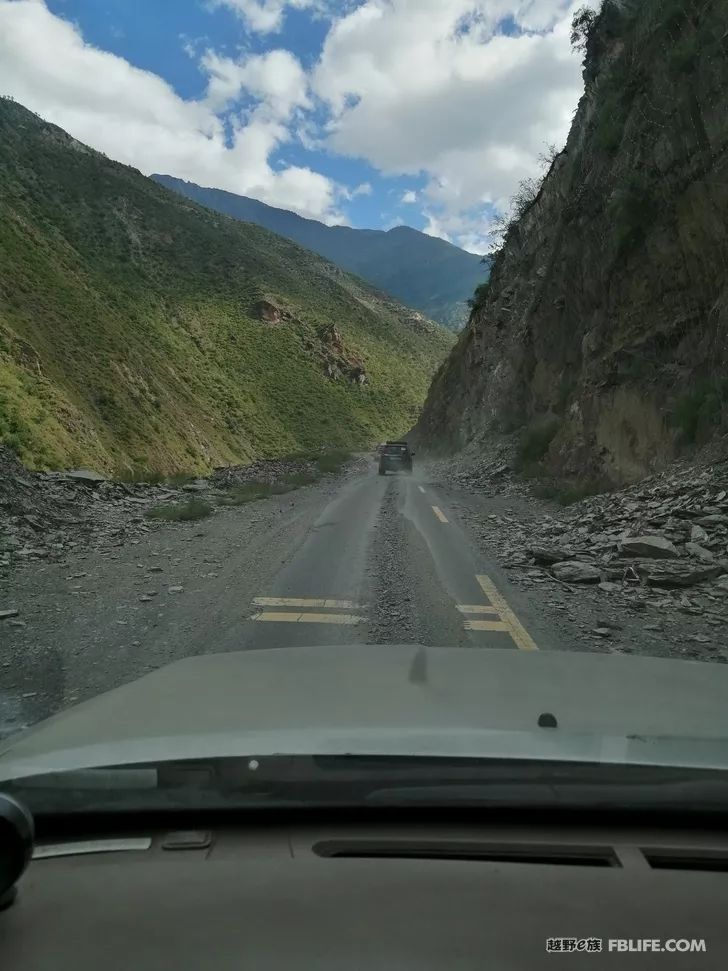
[[653, 546], [574, 571]]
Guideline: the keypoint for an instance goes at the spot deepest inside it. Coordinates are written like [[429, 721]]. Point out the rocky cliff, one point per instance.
[[602, 338]]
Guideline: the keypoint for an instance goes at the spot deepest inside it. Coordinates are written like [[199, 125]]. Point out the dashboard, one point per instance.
[[338, 894]]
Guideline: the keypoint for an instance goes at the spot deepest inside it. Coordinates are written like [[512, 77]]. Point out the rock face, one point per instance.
[[607, 310]]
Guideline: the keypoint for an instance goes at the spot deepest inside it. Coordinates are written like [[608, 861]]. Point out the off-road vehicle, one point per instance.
[[395, 457]]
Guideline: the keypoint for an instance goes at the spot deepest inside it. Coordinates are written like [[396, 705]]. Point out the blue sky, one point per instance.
[[369, 112]]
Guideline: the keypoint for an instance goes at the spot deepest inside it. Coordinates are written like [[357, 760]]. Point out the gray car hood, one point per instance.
[[393, 700]]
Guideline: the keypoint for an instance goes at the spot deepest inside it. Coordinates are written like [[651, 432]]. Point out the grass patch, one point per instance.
[[252, 491], [179, 479], [535, 443], [332, 462], [142, 476], [181, 512], [136, 476]]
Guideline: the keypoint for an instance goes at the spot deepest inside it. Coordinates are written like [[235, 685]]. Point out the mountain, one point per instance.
[[603, 334], [140, 329], [426, 273]]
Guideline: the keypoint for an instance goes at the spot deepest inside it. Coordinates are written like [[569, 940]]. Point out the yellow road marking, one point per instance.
[[476, 609], [518, 632], [487, 625], [348, 619], [439, 513], [292, 617], [304, 602]]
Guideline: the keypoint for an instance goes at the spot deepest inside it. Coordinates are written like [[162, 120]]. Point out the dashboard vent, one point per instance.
[[686, 859], [545, 854]]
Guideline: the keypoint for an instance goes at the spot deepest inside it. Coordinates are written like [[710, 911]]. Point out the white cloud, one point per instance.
[[437, 87], [263, 16], [435, 228], [416, 87], [134, 116], [275, 78]]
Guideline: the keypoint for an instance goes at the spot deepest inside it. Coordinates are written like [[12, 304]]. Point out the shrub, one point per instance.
[[609, 133], [684, 54], [182, 511], [700, 411], [581, 26], [525, 196], [480, 296], [632, 211]]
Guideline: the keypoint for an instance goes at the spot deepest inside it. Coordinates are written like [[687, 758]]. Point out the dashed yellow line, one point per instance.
[[476, 609], [518, 632], [487, 625], [305, 602], [440, 514], [291, 617]]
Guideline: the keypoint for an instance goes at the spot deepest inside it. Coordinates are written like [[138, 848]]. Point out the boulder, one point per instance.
[[671, 575], [656, 547], [698, 534], [86, 476], [694, 549], [548, 555], [574, 571]]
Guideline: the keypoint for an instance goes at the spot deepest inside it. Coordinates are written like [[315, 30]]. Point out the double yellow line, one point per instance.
[[306, 610], [504, 620]]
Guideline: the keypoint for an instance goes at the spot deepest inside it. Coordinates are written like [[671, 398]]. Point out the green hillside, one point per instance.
[[139, 329], [425, 272]]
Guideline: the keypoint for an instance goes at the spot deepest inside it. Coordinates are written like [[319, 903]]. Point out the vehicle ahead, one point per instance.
[[395, 457]]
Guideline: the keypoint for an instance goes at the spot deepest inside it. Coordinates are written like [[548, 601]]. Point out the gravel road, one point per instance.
[[355, 558]]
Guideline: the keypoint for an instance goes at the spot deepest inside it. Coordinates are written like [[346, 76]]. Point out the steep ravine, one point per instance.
[[607, 311]]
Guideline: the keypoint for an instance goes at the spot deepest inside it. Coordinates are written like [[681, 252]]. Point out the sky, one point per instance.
[[369, 113]]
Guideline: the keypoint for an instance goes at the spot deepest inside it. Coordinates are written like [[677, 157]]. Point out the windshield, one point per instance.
[[363, 392]]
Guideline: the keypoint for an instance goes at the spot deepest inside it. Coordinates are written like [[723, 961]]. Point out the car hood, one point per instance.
[[401, 700]]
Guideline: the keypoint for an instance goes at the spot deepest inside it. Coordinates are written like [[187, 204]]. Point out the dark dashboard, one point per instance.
[[356, 891]]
